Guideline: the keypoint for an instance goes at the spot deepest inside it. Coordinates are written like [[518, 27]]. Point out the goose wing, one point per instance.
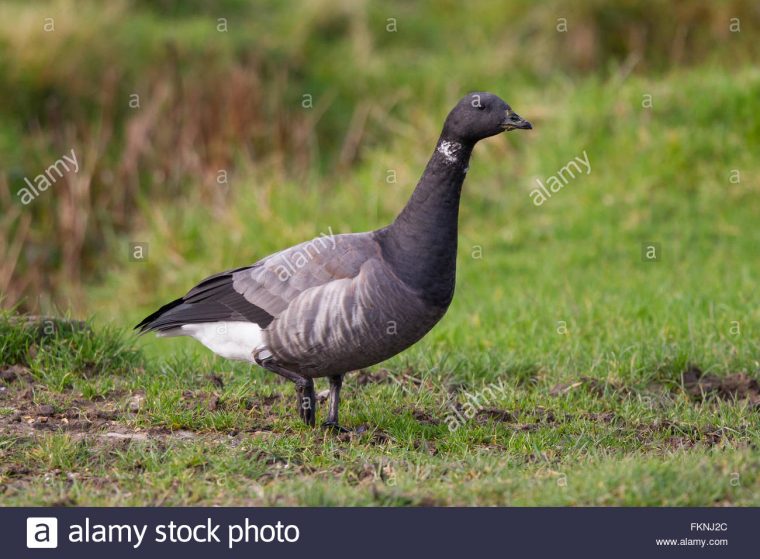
[[263, 291]]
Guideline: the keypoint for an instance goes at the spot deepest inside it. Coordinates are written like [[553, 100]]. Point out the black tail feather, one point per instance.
[[212, 300], [145, 324]]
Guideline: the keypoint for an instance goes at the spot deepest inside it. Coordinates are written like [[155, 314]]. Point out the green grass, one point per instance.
[[587, 444]]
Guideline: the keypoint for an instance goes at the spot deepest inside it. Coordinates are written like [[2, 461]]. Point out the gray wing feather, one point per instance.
[[262, 291], [274, 282]]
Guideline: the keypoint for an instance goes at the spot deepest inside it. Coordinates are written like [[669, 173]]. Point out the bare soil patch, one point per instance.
[[736, 386]]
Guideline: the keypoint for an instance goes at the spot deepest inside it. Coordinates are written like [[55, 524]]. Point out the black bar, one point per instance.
[[389, 533]]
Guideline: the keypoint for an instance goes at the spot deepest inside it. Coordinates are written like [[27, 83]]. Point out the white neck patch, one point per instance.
[[449, 150]]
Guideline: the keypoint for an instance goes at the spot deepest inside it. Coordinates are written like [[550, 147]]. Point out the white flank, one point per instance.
[[231, 340], [449, 150]]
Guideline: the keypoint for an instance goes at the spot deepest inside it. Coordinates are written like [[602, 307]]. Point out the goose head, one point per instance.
[[481, 115]]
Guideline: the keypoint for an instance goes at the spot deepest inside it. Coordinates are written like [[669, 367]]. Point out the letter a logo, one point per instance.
[[41, 532]]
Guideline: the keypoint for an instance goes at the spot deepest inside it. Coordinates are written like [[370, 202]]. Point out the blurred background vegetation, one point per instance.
[[221, 88]]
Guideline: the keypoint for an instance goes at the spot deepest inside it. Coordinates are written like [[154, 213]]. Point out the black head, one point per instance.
[[481, 115]]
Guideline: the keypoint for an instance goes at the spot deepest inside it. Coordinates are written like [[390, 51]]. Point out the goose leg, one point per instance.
[[336, 382], [307, 401]]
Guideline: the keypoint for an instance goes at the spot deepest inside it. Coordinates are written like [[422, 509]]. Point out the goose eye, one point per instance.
[[481, 107]]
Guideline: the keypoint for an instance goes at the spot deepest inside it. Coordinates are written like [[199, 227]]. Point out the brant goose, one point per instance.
[[340, 303]]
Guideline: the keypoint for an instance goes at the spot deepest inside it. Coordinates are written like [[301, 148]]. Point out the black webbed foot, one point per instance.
[[333, 426]]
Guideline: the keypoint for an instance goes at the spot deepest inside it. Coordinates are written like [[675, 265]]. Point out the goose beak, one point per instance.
[[512, 121]]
